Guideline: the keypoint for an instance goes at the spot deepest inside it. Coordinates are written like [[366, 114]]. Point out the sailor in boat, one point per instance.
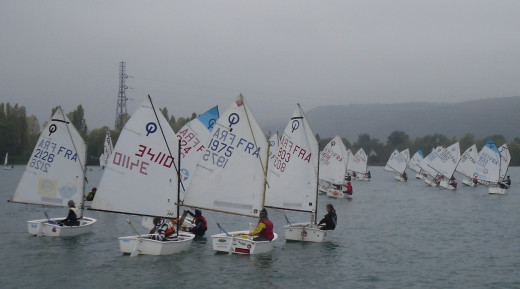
[[354, 174], [404, 176], [91, 195], [72, 217], [348, 177], [368, 175], [264, 228], [330, 219], [201, 225], [164, 229], [348, 189], [475, 180], [505, 184], [453, 182]]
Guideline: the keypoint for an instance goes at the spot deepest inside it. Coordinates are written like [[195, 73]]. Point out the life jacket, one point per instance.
[[268, 232], [76, 211], [171, 228]]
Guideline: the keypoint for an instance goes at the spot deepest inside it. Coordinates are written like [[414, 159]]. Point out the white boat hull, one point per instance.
[[419, 176], [322, 189], [44, 228], [240, 242], [333, 193], [305, 232], [8, 167], [497, 191], [399, 178], [145, 246], [469, 183], [361, 177], [429, 182]]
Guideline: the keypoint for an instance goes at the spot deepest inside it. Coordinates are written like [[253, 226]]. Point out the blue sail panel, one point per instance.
[[209, 118]]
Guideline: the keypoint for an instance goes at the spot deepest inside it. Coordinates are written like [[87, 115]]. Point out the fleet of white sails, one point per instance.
[[152, 171]]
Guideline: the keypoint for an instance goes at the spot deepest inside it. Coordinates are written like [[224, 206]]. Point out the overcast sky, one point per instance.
[[192, 55]]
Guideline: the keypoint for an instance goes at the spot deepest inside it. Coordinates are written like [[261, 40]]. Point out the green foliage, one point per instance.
[[77, 117]]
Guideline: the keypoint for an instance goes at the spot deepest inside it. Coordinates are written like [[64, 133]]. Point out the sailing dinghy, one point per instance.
[[505, 159], [466, 166], [333, 164], [293, 180], [6, 166], [445, 164], [54, 175], [234, 170], [487, 167], [427, 169], [414, 162], [141, 178], [397, 164], [359, 165], [107, 150]]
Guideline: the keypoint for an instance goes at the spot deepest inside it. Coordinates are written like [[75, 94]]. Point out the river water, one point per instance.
[[391, 235]]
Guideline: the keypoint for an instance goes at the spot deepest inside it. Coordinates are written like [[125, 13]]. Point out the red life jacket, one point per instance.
[[268, 231]]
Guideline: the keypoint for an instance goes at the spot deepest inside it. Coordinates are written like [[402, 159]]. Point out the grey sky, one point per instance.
[[191, 55]]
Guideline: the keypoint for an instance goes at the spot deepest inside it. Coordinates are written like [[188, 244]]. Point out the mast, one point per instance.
[[178, 184]]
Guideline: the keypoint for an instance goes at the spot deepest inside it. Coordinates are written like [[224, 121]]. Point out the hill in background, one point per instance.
[[481, 118]]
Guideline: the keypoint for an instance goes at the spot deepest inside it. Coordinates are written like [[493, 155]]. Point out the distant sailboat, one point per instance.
[[141, 178], [505, 159], [467, 165], [397, 164], [6, 165], [55, 175], [427, 169], [414, 162], [232, 174], [445, 164], [358, 165], [488, 166], [333, 165], [107, 150]]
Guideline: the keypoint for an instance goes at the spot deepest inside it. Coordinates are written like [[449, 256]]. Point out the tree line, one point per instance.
[[20, 132]]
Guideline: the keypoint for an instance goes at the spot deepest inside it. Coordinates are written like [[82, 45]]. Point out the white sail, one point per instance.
[[108, 148], [425, 163], [350, 157], [140, 177], [467, 161], [488, 163], [447, 160], [194, 137], [414, 162], [5, 159], [505, 159], [333, 161], [55, 171], [406, 155], [396, 163], [359, 162], [292, 181], [232, 169]]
